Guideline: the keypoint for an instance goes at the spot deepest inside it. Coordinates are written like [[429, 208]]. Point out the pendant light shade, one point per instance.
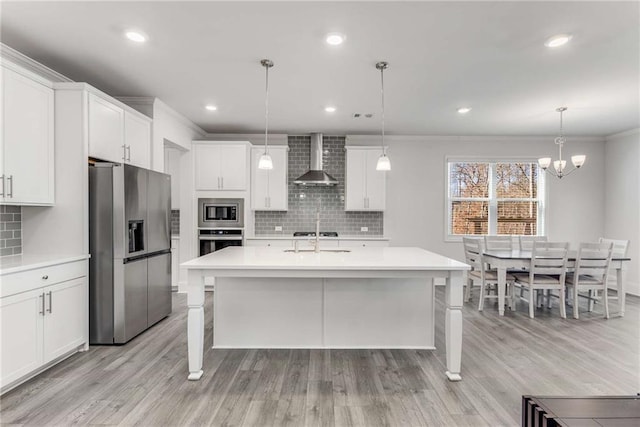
[[384, 164], [265, 161]]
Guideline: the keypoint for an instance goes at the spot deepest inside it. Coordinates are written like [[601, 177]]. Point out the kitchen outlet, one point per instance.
[[364, 228], [278, 228]]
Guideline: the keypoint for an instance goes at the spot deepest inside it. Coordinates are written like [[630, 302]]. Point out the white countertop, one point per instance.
[[290, 237], [16, 263], [374, 259]]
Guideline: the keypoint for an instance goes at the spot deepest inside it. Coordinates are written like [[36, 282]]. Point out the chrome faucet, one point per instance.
[[316, 242]]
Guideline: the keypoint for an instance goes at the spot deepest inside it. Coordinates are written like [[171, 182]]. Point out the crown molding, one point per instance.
[[619, 135], [254, 138], [363, 139], [157, 103], [10, 54]]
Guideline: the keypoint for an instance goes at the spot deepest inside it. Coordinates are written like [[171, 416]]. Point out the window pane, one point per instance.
[[469, 217], [469, 180], [517, 180], [517, 218]]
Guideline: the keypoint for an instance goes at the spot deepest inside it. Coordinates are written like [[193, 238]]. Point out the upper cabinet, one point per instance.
[[27, 139], [269, 191], [364, 185], [220, 165], [117, 134]]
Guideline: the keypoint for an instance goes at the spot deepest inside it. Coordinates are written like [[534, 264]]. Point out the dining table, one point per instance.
[[516, 259]]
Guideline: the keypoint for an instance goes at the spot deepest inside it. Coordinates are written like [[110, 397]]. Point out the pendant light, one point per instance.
[[265, 161], [384, 164], [560, 165]]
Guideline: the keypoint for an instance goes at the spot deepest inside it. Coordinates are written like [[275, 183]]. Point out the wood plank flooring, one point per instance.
[[144, 382]]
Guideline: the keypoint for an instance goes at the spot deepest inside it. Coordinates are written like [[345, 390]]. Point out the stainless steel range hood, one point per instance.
[[316, 176]]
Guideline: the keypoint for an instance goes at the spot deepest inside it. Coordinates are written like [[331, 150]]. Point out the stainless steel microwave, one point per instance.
[[220, 213]]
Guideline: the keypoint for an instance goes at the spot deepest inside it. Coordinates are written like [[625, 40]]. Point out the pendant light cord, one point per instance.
[[382, 93], [266, 108]]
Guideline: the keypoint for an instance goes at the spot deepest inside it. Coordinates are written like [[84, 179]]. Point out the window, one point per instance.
[[494, 197]]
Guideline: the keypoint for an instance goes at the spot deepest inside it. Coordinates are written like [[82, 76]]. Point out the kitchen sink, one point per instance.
[[321, 250]]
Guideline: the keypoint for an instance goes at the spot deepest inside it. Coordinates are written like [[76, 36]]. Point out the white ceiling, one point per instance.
[[442, 55]]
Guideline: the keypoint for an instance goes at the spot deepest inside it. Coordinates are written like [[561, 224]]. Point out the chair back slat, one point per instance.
[[620, 249], [549, 258], [526, 242], [593, 260], [498, 243], [472, 252]]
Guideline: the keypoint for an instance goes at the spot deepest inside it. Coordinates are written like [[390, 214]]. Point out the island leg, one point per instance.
[[195, 325], [453, 324]]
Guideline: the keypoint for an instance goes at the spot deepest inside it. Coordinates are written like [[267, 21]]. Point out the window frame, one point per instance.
[[492, 200]]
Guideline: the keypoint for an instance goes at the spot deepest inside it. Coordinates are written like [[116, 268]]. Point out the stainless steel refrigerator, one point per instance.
[[130, 245]]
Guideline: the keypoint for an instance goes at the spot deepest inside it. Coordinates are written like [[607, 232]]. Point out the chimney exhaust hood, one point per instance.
[[316, 177]]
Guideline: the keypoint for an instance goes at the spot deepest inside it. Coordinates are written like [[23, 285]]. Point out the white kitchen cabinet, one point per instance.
[[64, 318], [43, 317], [364, 185], [117, 134], [137, 140], [220, 166], [269, 188], [22, 322], [27, 142], [106, 130]]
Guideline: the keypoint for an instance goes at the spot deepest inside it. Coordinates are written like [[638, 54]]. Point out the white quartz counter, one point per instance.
[[373, 259], [17, 263]]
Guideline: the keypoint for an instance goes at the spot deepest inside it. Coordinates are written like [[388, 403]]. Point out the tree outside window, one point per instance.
[[494, 198]]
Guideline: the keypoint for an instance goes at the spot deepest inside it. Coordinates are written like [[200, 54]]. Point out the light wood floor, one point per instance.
[[145, 382]]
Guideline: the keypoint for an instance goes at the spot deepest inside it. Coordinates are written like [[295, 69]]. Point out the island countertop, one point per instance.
[[371, 259]]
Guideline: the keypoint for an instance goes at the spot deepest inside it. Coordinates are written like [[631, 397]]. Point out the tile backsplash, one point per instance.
[[304, 201], [175, 222], [10, 230]]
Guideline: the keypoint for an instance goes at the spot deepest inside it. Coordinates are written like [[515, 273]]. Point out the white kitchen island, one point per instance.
[[361, 298]]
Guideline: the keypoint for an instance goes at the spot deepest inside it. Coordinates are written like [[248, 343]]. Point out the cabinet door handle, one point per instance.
[[266, 202], [222, 182], [128, 153], [50, 302], [42, 305], [10, 192], [2, 178], [45, 277]]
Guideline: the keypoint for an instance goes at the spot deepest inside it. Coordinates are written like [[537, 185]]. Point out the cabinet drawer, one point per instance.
[[32, 279]]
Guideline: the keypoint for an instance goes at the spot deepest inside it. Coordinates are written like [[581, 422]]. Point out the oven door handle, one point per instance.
[[220, 238]]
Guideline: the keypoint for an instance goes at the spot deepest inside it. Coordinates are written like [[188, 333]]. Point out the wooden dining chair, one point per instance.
[[526, 242], [547, 272], [498, 243], [620, 249], [590, 273], [479, 272]]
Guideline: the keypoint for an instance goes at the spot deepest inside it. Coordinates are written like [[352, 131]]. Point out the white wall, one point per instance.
[[416, 189], [622, 197]]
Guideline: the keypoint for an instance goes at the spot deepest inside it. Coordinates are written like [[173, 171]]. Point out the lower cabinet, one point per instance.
[[306, 243], [40, 325]]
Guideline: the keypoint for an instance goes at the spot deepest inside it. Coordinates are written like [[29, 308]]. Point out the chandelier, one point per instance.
[[559, 166]]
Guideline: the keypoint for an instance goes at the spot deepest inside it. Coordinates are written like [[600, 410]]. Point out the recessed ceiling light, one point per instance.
[[211, 107], [135, 36], [464, 110], [558, 40], [330, 109], [335, 39]]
